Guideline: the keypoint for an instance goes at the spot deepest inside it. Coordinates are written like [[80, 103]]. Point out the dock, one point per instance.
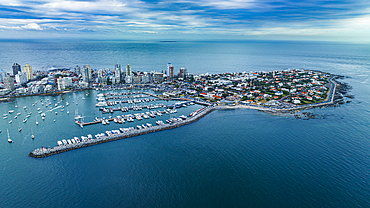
[[48, 151]]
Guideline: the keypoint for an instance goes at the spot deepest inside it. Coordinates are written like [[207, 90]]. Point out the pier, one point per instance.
[[45, 152]]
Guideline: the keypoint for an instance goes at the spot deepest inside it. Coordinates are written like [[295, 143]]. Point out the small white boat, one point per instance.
[[11, 111], [10, 121], [5, 117], [25, 120], [9, 140], [33, 137], [20, 129], [15, 117]]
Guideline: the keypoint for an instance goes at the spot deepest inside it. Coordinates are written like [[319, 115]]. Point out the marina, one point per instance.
[[113, 135]]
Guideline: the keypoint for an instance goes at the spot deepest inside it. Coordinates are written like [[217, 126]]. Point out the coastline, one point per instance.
[[45, 152]]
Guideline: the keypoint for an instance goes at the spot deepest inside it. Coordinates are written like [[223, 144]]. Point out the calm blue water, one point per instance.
[[234, 158]]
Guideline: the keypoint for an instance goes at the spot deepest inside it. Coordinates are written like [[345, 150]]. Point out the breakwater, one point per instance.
[[48, 151]]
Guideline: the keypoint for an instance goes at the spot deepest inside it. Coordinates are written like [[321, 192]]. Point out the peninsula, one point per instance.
[[272, 92]]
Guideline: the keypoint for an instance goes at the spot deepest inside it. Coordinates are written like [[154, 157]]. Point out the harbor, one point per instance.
[[131, 132]]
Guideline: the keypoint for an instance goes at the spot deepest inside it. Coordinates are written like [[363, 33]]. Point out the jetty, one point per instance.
[[195, 116]]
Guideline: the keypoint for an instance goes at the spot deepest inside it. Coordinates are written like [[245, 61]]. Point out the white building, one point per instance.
[[128, 79], [118, 75], [21, 77], [60, 83], [68, 81], [2, 75]]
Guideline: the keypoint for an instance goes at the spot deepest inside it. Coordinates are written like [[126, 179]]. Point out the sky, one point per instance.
[[318, 20]]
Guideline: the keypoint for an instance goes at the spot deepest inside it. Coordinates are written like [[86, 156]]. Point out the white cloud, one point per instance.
[[32, 26]]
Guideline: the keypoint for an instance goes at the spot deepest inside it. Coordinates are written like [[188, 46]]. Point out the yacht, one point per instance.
[[101, 104], [9, 140], [11, 111], [5, 114]]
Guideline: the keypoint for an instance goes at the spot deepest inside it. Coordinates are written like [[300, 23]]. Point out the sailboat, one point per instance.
[[9, 140], [33, 136], [37, 123]]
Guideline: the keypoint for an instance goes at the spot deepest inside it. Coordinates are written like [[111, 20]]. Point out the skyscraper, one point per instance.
[[118, 66], [183, 72], [85, 74], [128, 70], [16, 68], [78, 70], [118, 75], [9, 83], [28, 70], [170, 71]]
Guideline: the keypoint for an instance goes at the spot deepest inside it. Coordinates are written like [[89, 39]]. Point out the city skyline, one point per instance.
[[187, 20]]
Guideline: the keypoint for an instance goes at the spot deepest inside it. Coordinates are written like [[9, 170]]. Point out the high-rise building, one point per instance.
[[78, 70], [183, 72], [118, 75], [88, 70], [9, 83], [85, 74], [170, 71], [61, 84], [118, 66], [100, 73], [2, 75], [16, 68], [21, 77], [28, 70], [68, 81], [128, 70]]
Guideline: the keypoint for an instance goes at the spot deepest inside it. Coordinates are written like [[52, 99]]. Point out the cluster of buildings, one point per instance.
[[278, 88], [28, 82]]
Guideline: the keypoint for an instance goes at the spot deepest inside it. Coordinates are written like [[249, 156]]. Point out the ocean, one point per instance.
[[230, 158]]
